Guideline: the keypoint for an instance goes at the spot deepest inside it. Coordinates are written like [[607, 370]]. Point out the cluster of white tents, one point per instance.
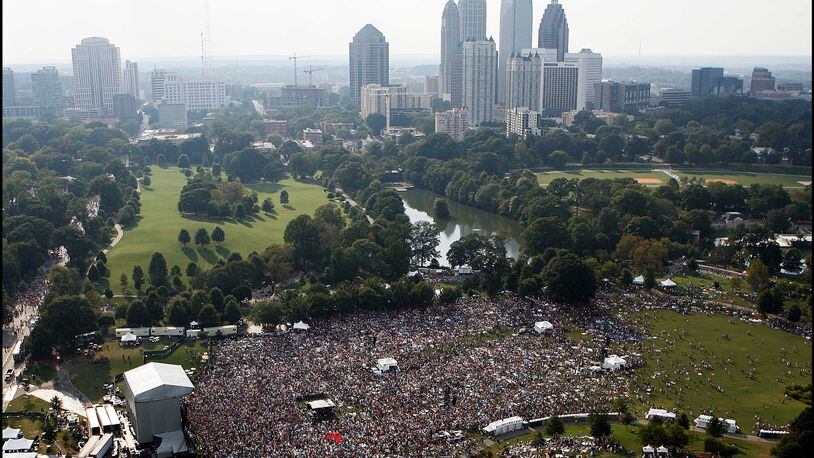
[[650, 452], [660, 413], [667, 283], [614, 363], [542, 327], [730, 427], [17, 446]]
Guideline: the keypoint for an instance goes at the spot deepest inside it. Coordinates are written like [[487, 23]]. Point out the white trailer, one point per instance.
[[166, 331], [139, 332]]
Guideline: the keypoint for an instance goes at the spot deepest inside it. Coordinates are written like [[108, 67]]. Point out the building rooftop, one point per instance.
[[157, 381]]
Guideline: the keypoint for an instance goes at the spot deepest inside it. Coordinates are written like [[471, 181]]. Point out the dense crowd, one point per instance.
[[563, 446], [460, 367], [27, 303]]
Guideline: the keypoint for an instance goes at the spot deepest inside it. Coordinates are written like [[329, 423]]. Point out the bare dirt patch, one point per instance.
[[721, 180], [805, 183], [642, 180]]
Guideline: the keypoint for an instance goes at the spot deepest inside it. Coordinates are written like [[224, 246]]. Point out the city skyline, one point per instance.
[[414, 31]]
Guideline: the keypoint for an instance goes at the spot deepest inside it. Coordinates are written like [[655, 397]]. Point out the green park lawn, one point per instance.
[[746, 178], [649, 177], [780, 359], [158, 225]]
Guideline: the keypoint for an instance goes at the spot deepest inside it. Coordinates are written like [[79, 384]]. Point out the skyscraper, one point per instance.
[[97, 75], [553, 31], [131, 78], [473, 19], [762, 80], [9, 93], [480, 80], [449, 72], [47, 90], [705, 79], [369, 61], [590, 73], [559, 85], [515, 35], [158, 78], [522, 88]]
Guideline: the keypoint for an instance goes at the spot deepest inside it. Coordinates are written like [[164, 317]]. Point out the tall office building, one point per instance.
[[590, 73], [454, 122], [369, 61], [704, 80], [97, 75], [47, 89], [131, 78], [559, 85], [9, 92], [376, 98], [124, 106], [196, 94], [449, 72], [431, 85], [172, 116], [157, 79], [762, 80], [616, 97], [480, 80], [515, 35], [473, 19], [553, 31], [728, 85], [522, 88]]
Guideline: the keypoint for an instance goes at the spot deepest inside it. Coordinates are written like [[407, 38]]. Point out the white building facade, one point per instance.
[[131, 78], [523, 74], [97, 75], [480, 80], [197, 94], [522, 121], [454, 122], [590, 73]]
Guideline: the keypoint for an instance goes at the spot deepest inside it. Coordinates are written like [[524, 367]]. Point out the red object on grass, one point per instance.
[[336, 437]]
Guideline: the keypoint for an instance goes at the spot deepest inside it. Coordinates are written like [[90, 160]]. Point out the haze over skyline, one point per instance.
[[44, 31]]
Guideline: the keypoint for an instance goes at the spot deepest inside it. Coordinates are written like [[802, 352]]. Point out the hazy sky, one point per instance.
[[42, 31]]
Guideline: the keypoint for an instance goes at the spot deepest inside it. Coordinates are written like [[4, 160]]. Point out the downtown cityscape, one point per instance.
[[570, 229]]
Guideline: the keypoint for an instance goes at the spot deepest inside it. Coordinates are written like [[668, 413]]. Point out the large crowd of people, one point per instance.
[[460, 367]]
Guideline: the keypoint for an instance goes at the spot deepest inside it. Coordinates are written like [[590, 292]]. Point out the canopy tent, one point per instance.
[[543, 326], [193, 324], [614, 362], [668, 283], [129, 338], [321, 404], [660, 413], [17, 445], [301, 325], [385, 364], [647, 449], [662, 449], [639, 280], [10, 433]]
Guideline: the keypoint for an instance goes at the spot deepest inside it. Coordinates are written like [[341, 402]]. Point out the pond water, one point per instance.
[[463, 220]]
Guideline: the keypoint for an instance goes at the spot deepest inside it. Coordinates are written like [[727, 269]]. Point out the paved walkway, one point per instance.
[[69, 402]]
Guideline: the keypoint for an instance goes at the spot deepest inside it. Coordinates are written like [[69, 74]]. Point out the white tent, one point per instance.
[[543, 326], [385, 364], [668, 283], [662, 450], [614, 362], [321, 404], [660, 413], [595, 368], [639, 280], [153, 392], [301, 325], [129, 338], [10, 433], [647, 449], [17, 445], [506, 425]]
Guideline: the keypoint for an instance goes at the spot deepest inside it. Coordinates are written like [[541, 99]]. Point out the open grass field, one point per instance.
[[159, 223], [645, 176], [33, 427], [88, 377], [745, 178], [711, 362]]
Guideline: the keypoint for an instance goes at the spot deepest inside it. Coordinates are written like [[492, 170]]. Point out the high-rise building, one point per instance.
[[97, 75], [590, 73], [124, 106], [672, 97], [197, 94], [704, 80], [454, 122], [47, 89], [521, 121], [157, 79], [473, 19], [515, 35], [728, 85], [431, 86], [449, 72], [617, 97], [553, 31], [9, 92], [762, 80], [559, 84], [172, 116], [369, 61], [376, 98], [480, 80], [522, 87], [131, 78]]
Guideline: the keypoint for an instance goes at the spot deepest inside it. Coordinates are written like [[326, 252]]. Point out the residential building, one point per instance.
[[449, 71], [369, 61], [172, 116], [553, 33], [559, 85], [515, 35], [9, 90], [97, 76], [762, 80], [616, 97], [131, 78], [480, 80], [276, 126], [431, 86], [454, 122], [671, 97], [473, 19], [125, 106], [521, 121], [197, 94], [376, 98], [315, 136], [157, 79], [522, 87], [47, 89], [590, 73], [705, 79]]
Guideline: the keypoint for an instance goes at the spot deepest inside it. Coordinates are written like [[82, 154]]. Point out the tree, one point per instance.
[[547, 232], [569, 279], [138, 315], [93, 274], [216, 298], [767, 301], [558, 159], [157, 270], [715, 427], [799, 438], [268, 205], [183, 161], [192, 269], [717, 447], [202, 237], [123, 280], [268, 313], [284, 197], [63, 281], [138, 277], [376, 122], [793, 260], [208, 316], [184, 237], [649, 278], [232, 313], [423, 240], [146, 181], [600, 427], [178, 313], [440, 208], [757, 275], [794, 313], [554, 427], [218, 235]]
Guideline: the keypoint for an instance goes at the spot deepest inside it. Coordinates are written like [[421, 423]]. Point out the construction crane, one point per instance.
[[294, 58], [310, 72]]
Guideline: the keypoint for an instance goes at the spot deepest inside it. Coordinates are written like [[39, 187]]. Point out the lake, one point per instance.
[[463, 220]]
